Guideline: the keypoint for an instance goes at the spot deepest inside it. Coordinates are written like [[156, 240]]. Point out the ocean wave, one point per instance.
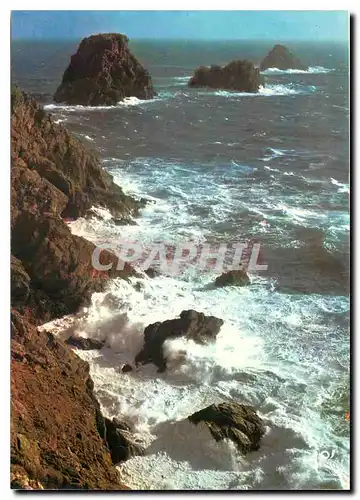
[[268, 90], [343, 187], [313, 70], [128, 101]]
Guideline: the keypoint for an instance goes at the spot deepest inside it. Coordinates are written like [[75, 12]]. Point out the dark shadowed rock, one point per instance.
[[191, 324], [103, 72], [85, 344], [151, 272], [280, 57], [121, 442], [234, 421], [238, 278], [237, 75], [127, 368]]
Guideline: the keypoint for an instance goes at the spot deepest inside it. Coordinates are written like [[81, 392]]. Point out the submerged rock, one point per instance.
[[103, 72], [85, 344], [238, 75], [234, 421], [280, 57], [238, 278], [191, 325]]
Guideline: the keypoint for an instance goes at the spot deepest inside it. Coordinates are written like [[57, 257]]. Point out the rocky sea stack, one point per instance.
[[103, 72], [237, 75], [280, 57]]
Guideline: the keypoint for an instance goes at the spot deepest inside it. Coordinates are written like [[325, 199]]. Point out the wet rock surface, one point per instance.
[[238, 278], [191, 325], [233, 421]]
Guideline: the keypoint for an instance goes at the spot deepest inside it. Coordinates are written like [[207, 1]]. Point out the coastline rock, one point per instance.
[[238, 278], [85, 344], [55, 442], [103, 72], [234, 421], [53, 177], [126, 368], [53, 172], [238, 75], [121, 442], [280, 57], [191, 324], [56, 434]]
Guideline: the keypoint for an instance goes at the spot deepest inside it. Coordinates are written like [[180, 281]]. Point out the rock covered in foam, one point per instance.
[[191, 325], [103, 72], [280, 57], [238, 75], [233, 421]]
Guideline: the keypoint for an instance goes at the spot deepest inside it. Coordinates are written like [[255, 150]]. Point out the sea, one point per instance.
[[223, 167]]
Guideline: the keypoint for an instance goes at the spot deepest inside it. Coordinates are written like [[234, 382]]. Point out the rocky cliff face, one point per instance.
[[103, 72], [57, 433], [280, 57], [237, 75]]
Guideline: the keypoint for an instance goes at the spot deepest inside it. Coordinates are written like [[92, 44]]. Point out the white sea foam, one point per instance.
[[343, 187], [312, 70]]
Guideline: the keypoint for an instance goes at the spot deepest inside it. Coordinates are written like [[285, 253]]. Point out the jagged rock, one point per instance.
[[280, 57], [54, 172], [55, 443], [127, 368], [85, 344], [234, 421], [238, 75], [238, 278], [103, 72], [53, 177], [191, 324], [20, 282], [121, 442]]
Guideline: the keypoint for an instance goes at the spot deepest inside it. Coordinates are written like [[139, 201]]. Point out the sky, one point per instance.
[[271, 25]]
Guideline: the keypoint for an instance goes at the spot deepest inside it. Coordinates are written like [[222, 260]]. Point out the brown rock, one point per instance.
[[234, 421], [238, 278], [238, 75], [70, 179], [280, 57], [55, 440], [103, 72]]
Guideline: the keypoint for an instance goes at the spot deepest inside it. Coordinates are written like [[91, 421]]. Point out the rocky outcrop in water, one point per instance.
[[234, 421], [103, 72], [191, 324], [237, 75], [238, 278], [57, 438], [280, 57]]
